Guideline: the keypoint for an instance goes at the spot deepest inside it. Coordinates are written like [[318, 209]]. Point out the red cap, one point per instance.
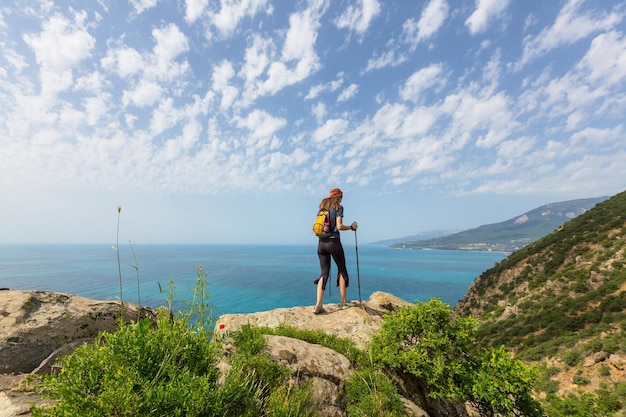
[[336, 192]]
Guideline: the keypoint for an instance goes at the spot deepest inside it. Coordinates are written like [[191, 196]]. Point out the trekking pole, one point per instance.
[[358, 273]]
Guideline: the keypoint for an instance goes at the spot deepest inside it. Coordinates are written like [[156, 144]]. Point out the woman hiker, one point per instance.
[[331, 246]]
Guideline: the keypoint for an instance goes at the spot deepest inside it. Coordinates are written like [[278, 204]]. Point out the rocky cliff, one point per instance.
[[36, 326]]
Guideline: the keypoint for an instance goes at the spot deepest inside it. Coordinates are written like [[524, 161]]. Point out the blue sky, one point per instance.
[[227, 121]]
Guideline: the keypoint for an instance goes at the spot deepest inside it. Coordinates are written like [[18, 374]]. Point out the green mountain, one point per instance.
[[510, 235], [560, 303]]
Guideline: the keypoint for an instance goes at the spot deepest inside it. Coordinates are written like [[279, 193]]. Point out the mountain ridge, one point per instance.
[[509, 235]]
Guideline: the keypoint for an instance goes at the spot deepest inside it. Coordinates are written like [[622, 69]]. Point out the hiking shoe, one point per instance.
[[319, 310], [343, 306]]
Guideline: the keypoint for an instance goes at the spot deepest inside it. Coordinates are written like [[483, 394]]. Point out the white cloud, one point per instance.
[[605, 61], [516, 148], [146, 93], [315, 91], [233, 11], [16, 60], [262, 124], [124, 61], [93, 83], [485, 12], [392, 57], [194, 9], [62, 43], [101, 98], [299, 58], [486, 119], [170, 43], [348, 93], [358, 16], [257, 59], [420, 81], [585, 90], [330, 129], [398, 121], [331, 86], [141, 6], [96, 108], [164, 116], [432, 18], [594, 138], [222, 74], [571, 25], [319, 111]]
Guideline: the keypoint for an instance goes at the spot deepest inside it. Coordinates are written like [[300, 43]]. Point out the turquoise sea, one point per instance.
[[242, 278]]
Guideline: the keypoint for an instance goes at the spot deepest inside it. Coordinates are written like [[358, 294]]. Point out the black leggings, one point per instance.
[[325, 249]]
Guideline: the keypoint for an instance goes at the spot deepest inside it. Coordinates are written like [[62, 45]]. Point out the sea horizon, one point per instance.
[[242, 278]]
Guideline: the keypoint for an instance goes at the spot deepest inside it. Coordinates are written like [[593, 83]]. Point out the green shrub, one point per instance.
[[605, 370], [170, 370], [240, 395], [290, 401], [262, 371], [371, 394], [544, 383], [248, 340], [571, 357], [428, 341], [583, 405], [579, 379], [136, 371], [612, 343], [437, 347], [609, 402]]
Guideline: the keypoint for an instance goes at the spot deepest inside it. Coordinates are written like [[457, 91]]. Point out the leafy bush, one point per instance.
[[170, 370], [137, 371], [371, 394], [544, 383], [580, 379], [290, 401], [429, 342], [437, 347], [571, 357], [583, 405]]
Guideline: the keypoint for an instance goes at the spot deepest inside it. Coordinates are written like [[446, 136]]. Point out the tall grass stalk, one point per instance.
[[119, 265], [136, 268]]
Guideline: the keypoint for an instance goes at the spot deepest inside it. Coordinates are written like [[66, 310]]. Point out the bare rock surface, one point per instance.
[[17, 395], [38, 326], [325, 368], [35, 324], [358, 322]]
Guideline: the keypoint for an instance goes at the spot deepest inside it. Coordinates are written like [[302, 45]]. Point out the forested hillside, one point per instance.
[[560, 302]]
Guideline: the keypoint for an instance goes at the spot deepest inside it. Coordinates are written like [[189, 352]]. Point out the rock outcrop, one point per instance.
[[326, 369], [36, 326], [357, 321]]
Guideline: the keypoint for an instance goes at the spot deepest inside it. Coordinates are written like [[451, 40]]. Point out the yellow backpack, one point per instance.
[[321, 227]]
